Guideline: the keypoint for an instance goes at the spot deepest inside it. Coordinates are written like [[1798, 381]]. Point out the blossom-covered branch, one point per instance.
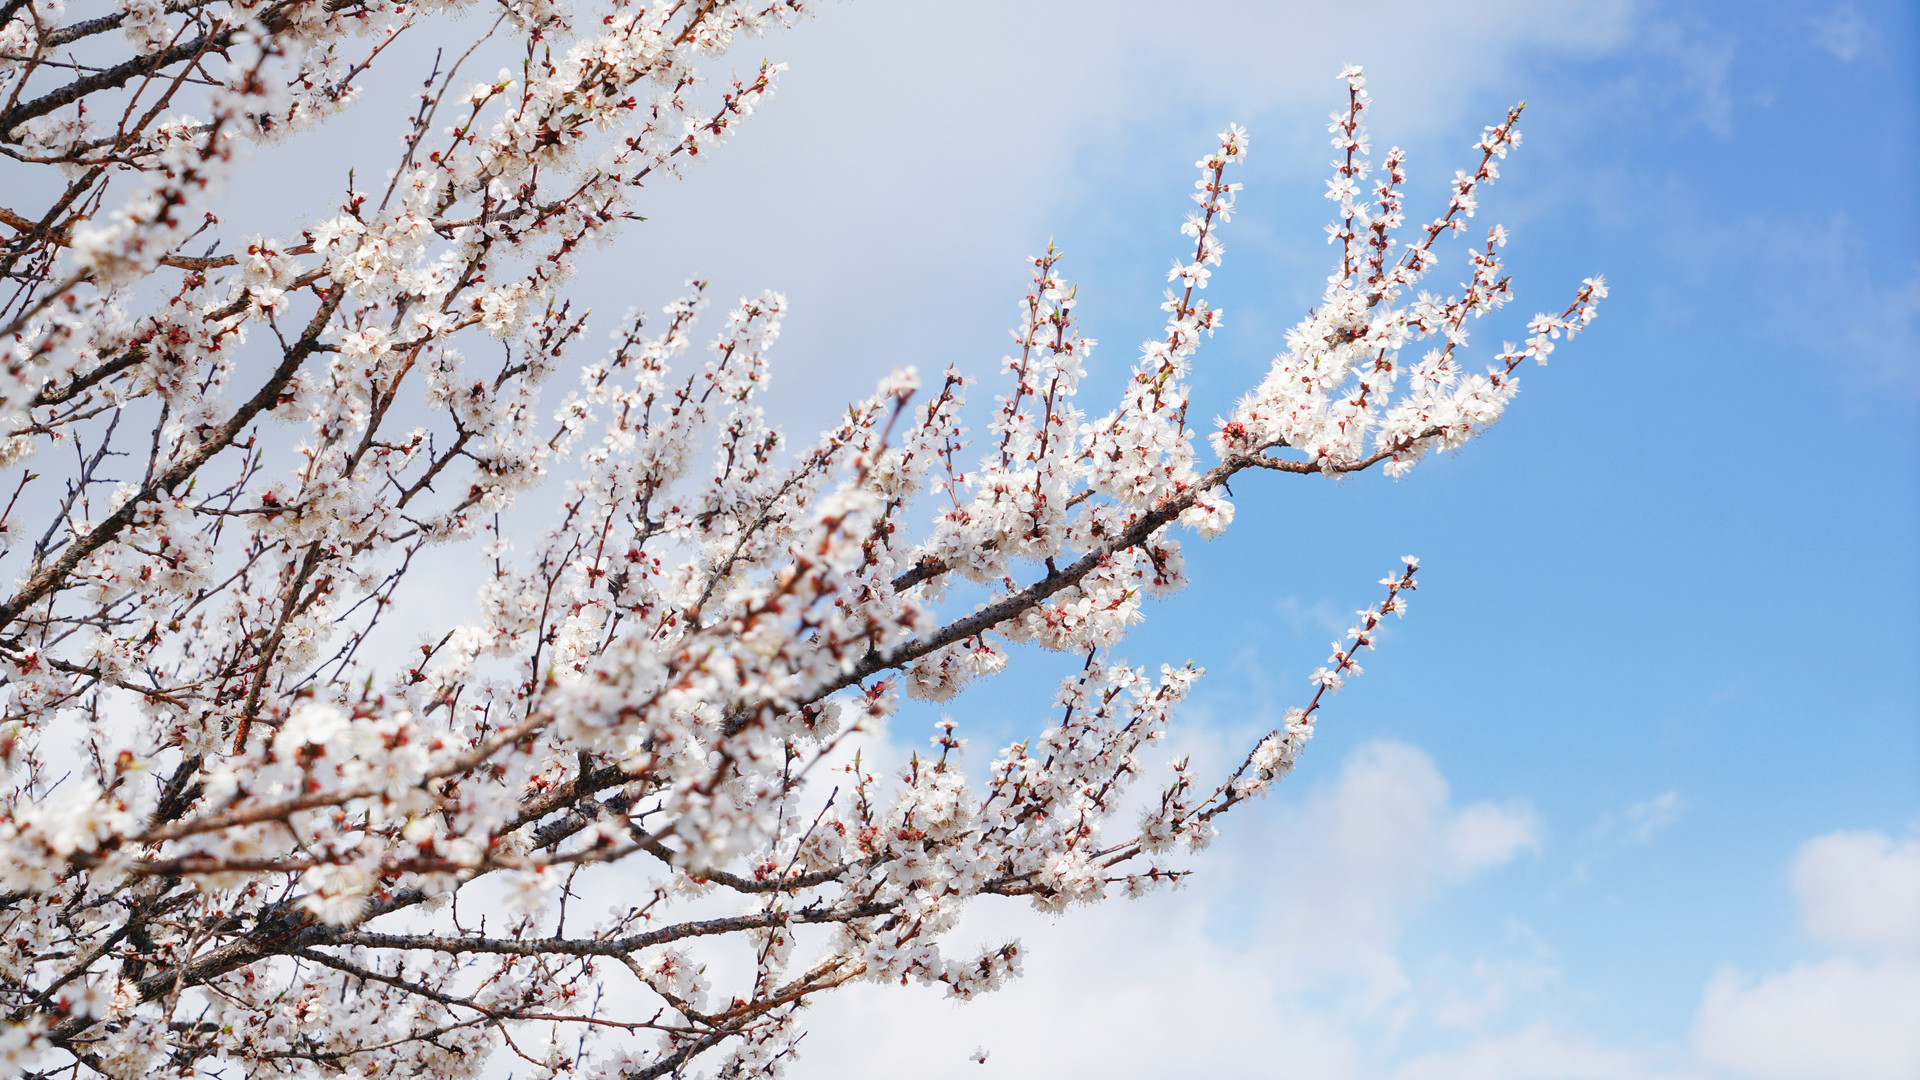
[[240, 823]]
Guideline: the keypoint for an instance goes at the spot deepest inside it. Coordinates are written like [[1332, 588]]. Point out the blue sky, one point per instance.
[[1664, 648]]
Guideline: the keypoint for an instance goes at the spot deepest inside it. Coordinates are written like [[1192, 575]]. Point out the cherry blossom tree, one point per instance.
[[243, 832]]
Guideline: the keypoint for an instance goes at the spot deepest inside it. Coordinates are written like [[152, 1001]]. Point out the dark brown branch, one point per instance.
[[82, 383], [610, 946]]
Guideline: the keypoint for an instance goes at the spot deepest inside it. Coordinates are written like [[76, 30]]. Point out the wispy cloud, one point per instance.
[[1632, 825], [1321, 616], [1643, 819], [1844, 32], [1686, 71]]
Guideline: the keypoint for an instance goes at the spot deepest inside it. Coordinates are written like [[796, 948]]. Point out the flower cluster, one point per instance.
[[285, 842], [1336, 396]]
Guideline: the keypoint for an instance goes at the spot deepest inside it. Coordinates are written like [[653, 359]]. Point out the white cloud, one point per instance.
[[1309, 983], [1844, 1017], [1834, 1020], [1486, 834], [1127, 990], [1536, 1052], [1315, 981], [1342, 871], [1860, 889]]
